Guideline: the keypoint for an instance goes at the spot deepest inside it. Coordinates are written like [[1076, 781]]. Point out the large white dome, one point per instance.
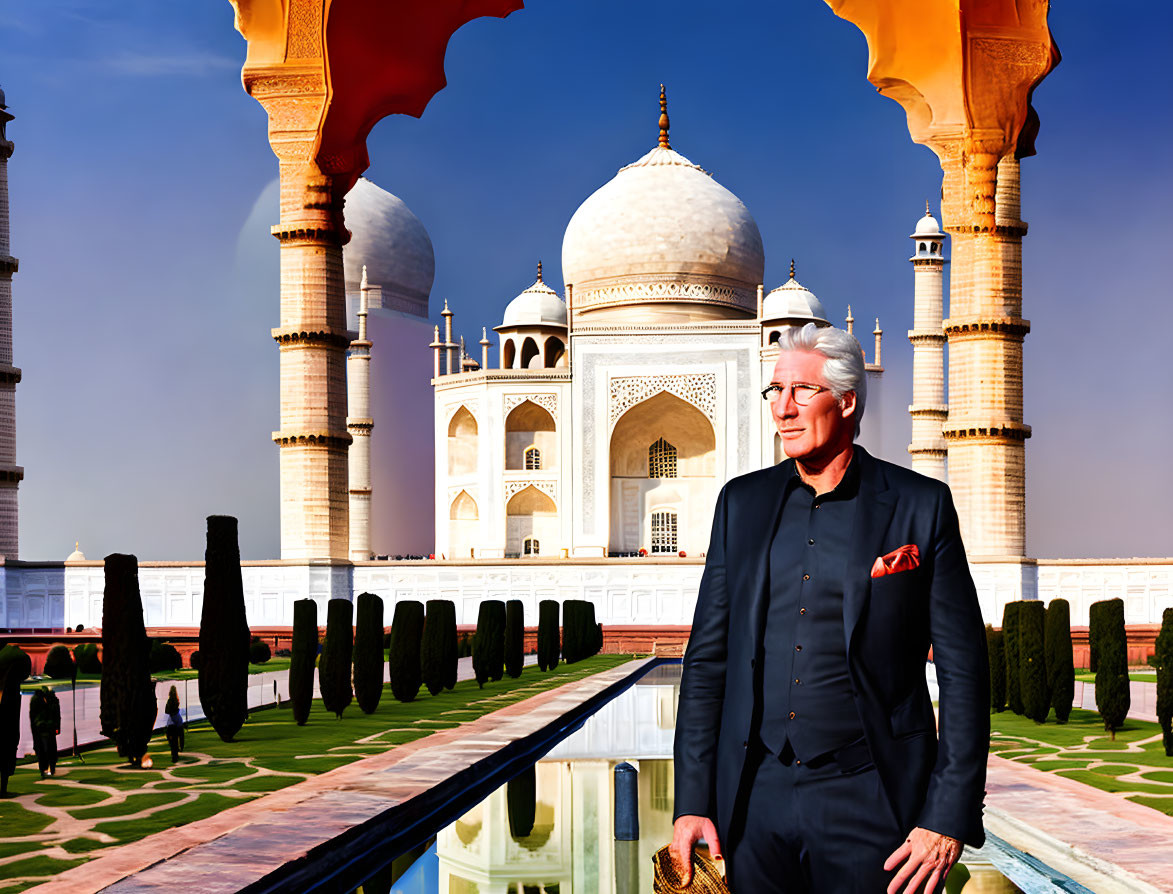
[[663, 230], [393, 245]]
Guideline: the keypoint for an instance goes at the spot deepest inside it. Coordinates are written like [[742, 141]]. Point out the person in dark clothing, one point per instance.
[[174, 724], [807, 751], [45, 722]]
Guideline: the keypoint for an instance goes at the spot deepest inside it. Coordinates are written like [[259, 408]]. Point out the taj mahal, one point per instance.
[[579, 453]]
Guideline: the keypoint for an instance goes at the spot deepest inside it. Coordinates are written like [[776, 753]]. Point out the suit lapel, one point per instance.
[[873, 514], [765, 509]]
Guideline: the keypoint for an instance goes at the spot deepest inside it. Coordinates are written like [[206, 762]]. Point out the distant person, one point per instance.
[[806, 748], [45, 722], [173, 726]]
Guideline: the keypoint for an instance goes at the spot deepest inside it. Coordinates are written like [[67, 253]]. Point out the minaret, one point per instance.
[[928, 408], [985, 431], [485, 344], [449, 345], [359, 423], [10, 473]]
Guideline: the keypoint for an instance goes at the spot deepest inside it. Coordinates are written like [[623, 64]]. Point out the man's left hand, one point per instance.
[[928, 856]]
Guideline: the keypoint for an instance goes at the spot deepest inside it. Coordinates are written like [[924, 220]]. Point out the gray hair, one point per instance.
[[844, 369]]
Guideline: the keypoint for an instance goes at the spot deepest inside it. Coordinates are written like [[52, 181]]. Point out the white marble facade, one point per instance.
[[624, 591]]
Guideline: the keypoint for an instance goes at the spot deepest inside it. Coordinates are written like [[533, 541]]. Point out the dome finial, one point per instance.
[[792, 268], [663, 119], [928, 213], [539, 271]]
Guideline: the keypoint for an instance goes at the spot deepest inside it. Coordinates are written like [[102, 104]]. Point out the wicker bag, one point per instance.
[[708, 876]]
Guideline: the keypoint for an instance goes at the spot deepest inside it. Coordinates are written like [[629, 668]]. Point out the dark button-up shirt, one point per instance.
[[807, 693]]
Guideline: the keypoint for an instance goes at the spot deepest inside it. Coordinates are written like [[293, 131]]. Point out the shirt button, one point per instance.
[[802, 611], [798, 648], [798, 763], [798, 681], [791, 715], [811, 542], [806, 577]]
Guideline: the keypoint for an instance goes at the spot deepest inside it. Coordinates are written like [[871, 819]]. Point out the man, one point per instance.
[[805, 737]]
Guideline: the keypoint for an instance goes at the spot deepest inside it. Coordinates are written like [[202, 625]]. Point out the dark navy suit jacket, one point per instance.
[[932, 780]]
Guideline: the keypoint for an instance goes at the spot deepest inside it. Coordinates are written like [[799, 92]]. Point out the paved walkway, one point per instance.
[[1097, 838], [263, 835]]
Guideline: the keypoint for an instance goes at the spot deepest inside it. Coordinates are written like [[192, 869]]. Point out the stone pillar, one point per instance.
[[928, 409], [985, 433], [359, 424], [10, 473]]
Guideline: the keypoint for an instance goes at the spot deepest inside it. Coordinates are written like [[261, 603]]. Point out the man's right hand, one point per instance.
[[686, 832]]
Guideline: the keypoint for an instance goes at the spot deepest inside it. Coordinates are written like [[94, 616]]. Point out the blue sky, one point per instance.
[[142, 312]]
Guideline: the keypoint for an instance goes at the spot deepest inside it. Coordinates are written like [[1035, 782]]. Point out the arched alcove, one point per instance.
[[526, 426], [462, 525], [508, 352], [529, 350], [530, 513], [663, 454], [554, 349], [462, 443]]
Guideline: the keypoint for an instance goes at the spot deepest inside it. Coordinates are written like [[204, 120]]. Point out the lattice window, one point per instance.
[[530, 547], [533, 459], [661, 460], [664, 531]]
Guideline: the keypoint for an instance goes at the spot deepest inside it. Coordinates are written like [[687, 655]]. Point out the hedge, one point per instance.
[[59, 664]]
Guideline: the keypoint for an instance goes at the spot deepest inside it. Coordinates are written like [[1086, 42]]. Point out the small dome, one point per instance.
[[793, 301], [392, 244], [927, 227], [539, 305], [77, 555]]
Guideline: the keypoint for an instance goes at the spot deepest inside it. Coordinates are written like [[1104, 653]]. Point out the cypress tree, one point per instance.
[[407, 629], [368, 652], [594, 630], [334, 665], [86, 656], [127, 696], [224, 634], [433, 647], [1059, 657], [995, 647], [571, 626], [548, 634], [1093, 636], [303, 657], [488, 646], [1164, 657], [15, 667], [1010, 646], [521, 803], [1113, 698], [514, 637], [1032, 668], [451, 646]]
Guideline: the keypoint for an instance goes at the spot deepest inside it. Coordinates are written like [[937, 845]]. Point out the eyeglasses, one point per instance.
[[800, 392]]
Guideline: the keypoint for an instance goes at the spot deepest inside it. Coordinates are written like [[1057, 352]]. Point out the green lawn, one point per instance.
[[269, 753], [1080, 749], [1134, 676]]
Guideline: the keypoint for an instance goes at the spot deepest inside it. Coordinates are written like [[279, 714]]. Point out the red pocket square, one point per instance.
[[905, 558]]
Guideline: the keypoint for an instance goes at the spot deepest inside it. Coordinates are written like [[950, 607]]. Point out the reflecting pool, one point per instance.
[[553, 828]]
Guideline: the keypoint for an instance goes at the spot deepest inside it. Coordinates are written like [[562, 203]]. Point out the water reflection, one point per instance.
[[552, 829]]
